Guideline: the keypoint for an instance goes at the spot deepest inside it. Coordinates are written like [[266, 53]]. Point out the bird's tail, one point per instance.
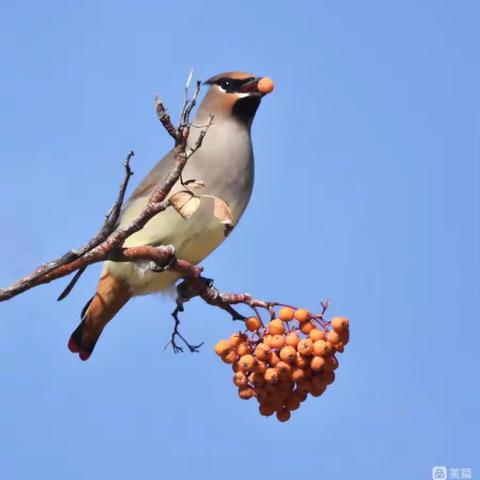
[[111, 295]]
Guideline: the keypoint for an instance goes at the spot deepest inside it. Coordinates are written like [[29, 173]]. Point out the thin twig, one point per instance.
[[164, 118], [176, 333], [107, 228]]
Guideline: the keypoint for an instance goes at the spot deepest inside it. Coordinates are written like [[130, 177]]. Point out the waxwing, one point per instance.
[[224, 165]]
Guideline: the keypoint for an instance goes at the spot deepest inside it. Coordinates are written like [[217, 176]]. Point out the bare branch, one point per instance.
[[175, 333], [164, 118], [198, 286], [106, 243], [188, 105], [201, 137], [112, 216]]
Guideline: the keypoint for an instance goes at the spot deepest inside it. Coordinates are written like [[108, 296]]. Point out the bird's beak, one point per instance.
[[261, 85]]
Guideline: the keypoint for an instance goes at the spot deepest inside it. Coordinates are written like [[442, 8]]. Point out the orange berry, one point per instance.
[[245, 393], [292, 402], [272, 390], [304, 386], [253, 324], [305, 347], [236, 367], [244, 348], [297, 374], [331, 363], [240, 379], [300, 361], [292, 339], [266, 409], [301, 396], [329, 377], [286, 384], [273, 358], [302, 315], [316, 334], [273, 401], [345, 336], [221, 347], [276, 341], [340, 324], [317, 391], [261, 351], [256, 379], [284, 369], [247, 362], [276, 401], [230, 356], [261, 367], [317, 380], [317, 363], [260, 394], [306, 327], [333, 337], [283, 415], [286, 314], [271, 375], [283, 393], [331, 348], [276, 327], [339, 347], [265, 85], [288, 354], [236, 339], [320, 347], [307, 371]]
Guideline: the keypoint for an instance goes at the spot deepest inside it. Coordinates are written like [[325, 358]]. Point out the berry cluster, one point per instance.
[[284, 362]]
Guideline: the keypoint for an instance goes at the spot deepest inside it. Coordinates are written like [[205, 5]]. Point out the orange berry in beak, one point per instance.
[[265, 85]]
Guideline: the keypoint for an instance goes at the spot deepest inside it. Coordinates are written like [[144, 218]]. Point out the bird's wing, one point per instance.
[[154, 178], [159, 229], [167, 227]]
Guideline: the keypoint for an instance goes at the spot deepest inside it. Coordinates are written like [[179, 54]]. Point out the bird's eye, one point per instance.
[[227, 84]]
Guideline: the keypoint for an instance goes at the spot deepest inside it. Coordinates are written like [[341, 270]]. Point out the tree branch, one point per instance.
[[107, 243], [198, 286]]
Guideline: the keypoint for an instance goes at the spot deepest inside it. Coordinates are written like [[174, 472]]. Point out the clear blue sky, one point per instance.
[[367, 193]]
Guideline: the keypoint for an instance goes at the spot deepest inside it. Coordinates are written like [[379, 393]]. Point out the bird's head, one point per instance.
[[236, 94]]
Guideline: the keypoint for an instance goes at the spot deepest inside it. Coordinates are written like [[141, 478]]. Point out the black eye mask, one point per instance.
[[231, 85]]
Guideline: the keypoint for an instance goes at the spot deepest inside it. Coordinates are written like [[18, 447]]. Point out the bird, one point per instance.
[[224, 169]]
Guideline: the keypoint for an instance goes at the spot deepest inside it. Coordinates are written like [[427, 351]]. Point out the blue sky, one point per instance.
[[367, 193]]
